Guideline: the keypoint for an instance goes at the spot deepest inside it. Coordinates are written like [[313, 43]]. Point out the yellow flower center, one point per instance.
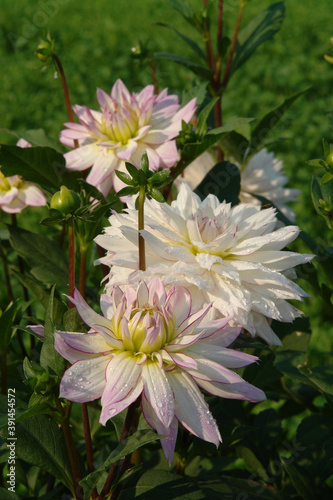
[[120, 124]]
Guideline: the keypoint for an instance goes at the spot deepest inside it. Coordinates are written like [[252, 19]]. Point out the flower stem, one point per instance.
[[73, 459], [208, 41], [66, 92], [142, 254], [130, 426], [83, 265], [71, 260], [226, 75]]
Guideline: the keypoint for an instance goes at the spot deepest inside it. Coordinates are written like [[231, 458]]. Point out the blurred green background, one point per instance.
[[94, 41]]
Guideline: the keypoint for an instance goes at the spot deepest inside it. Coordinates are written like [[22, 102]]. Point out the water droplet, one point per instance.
[[55, 75], [159, 404], [80, 379], [111, 412]]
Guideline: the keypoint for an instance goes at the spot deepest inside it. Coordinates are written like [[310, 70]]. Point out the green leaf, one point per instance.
[[8, 495], [300, 478], [43, 166], [157, 195], [125, 178], [132, 170], [126, 447], [40, 442], [72, 322], [92, 190], [201, 127], [186, 39], [236, 145], [223, 180], [50, 359], [43, 295], [258, 31], [197, 68], [163, 485], [198, 92], [326, 178], [36, 137], [316, 163], [268, 122], [128, 191], [184, 7], [7, 321], [45, 258]]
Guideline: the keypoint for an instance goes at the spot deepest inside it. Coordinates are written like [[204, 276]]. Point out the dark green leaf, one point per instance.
[[198, 92], [40, 442], [157, 195], [326, 178], [43, 295], [132, 170], [72, 322], [7, 322], [8, 495], [236, 145], [223, 181], [268, 122], [184, 7], [198, 69], [43, 166], [50, 359], [128, 191], [126, 447], [45, 258], [300, 479], [203, 116], [125, 178], [326, 147], [316, 163], [186, 39], [92, 190], [36, 137], [258, 31], [163, 485]]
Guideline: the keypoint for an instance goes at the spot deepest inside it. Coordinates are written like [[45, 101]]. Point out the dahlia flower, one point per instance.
[[16, 194], [230, 256], [149, 344], [127, 126], [262, 176]]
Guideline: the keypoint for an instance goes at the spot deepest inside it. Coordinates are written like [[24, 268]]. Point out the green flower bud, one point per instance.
[[65, 201], [329, 160], [45, 50]]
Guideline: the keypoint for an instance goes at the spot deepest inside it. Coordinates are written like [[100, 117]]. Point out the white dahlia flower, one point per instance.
[[230, 256], [262, 175]]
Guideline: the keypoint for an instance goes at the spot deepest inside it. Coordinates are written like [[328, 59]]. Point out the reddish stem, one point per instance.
[[226, 75], [71, 260]]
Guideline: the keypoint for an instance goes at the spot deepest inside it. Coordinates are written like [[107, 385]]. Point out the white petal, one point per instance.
[[158, 392]]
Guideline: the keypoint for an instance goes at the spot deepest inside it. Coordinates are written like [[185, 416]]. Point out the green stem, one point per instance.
[[73, 459], [142, 254], [71, 260]]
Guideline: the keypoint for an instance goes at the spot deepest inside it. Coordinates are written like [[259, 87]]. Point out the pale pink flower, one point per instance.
[[262, 175], [127, 126], [149, 344], [231, 256], [16, 194]]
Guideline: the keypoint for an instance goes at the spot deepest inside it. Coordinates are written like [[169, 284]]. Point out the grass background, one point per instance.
[[94, 41]]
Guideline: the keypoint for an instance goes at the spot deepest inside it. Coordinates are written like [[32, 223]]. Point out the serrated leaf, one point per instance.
[[223, 181], [269, 121], [43, 166], [197, 68], [45, 258], [186, 39], [40, 442], [50, 359], [259, 30]]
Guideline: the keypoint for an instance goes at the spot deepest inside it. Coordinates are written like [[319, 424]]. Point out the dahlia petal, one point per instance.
[[85, 380], [158, 392], [120, 93], [87, 314], [211, 371], [226, 357], [111, 409], [31, 195], [180, 302], [122, 375], [191, 409], [86, 342], [127, 151], [168, 443], [81, 158], [242, 390], [168, 154]]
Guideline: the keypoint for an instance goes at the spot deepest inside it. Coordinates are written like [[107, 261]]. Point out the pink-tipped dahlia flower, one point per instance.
[[149, 344], [16, 194], [231, 256], [127, 126]]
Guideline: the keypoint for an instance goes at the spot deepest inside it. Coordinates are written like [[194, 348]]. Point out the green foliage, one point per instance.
[[223, 180]]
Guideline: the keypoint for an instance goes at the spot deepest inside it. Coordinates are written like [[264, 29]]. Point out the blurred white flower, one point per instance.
[[230, 256], [262, 175]]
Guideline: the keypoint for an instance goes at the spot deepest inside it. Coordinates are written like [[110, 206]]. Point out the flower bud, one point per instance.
[[329, 160], [45, 50], [65, 201]]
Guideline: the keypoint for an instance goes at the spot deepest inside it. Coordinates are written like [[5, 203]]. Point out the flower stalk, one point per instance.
[[141, 241], [71, 260]]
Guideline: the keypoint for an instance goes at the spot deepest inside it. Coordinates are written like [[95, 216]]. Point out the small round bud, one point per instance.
[[65, 201], [45, 50]]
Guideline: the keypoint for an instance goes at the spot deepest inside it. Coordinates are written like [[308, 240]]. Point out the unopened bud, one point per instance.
[[45, 50], [65, 201]]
